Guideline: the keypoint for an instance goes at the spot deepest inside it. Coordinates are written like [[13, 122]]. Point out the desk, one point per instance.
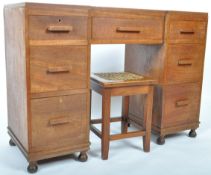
[[48, 70]]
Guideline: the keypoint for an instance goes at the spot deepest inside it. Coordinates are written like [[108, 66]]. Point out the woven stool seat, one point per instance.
[[118, 79], [119, 76]]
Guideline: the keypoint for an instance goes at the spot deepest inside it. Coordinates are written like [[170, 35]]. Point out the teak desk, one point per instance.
[[48, 71]]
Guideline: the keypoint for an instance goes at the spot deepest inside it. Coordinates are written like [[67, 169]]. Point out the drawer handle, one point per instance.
[[185, 62], [181, 103], [58, 70], [59, 121], [128, 30], [187, 32], [64, 29]]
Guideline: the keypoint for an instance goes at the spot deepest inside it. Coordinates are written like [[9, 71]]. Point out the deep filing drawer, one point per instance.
[[59, 121], [181, 104], [54, 68], [184, 63], [186, 32], [57, 27], [120, 30]]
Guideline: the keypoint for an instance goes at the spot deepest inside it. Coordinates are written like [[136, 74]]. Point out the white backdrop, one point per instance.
[[180, 154]]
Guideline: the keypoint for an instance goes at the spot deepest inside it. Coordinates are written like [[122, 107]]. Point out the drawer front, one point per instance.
[[117, 29], [54, 68], [182, 104], [187, 32], [59, 121], [184, 63], [57, 27]]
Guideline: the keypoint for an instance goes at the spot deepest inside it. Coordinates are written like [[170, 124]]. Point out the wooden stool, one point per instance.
[[122, 84]]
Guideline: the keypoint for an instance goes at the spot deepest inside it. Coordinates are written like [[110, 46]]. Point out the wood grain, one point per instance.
[[178, 65], [183, 66], [187, 32], [39, 27], [106, 114], [55, 116], [146, 30], [126, 91], [181, 104], [48, 61], [146, 60], [44, 58], [16, 73]]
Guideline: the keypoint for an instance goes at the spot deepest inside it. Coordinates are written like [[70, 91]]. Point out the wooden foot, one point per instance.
[[192, 133], [12, 143], [83, 157], [32, 167], [161, 140]]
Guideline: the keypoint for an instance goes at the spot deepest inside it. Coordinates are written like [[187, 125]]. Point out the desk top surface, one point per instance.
[[34, 8]]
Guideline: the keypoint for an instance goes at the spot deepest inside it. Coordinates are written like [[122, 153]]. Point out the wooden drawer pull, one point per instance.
[[181, 103], [58, 70], [185, 62], [187, 32], [59, 121], [128, 29], [60, 29]]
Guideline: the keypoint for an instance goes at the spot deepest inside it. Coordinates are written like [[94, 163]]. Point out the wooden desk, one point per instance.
[[48, 70]]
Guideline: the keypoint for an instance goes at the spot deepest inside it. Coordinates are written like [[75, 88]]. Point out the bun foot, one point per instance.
[[192, 133], [12, 143], [83, 157], [161, 140], [32, 167]]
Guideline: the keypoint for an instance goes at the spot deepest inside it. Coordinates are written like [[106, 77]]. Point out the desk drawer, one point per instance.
[[126, 30], [181, 104], [59, 121], [184, 63], [187, 32], [54, 68], [57, 27]]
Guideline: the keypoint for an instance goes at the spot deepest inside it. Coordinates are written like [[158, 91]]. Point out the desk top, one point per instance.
[[45, 8]]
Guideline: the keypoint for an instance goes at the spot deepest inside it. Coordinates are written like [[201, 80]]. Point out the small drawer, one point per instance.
[[57, 28], [182, 104], [187, 32], [120, 30], [184, 63], [59, 121], [54, 68]]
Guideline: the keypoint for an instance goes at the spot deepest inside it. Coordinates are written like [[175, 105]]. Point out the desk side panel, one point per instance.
[[14, 18], [146, 60]]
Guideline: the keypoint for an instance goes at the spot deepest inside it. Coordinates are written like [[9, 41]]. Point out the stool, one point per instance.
[[121, 84]]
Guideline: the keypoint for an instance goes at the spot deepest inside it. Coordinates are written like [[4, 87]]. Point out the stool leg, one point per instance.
[[125, 111], [148, 119], [106, 102], [90, 105]]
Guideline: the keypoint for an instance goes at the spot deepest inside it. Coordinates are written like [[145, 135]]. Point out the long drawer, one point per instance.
[[182, 104], [55, 68], [124, 30], [59, 121], [184, 63], [58, 27]]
